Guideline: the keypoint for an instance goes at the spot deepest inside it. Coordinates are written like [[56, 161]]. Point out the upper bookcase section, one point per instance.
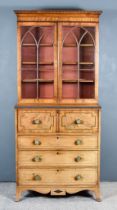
[[58, 57]]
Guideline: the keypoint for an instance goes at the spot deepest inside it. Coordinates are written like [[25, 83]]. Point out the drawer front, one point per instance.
[[58, 176], [54, 158], [61, 142], [78, 121], [30, 121]]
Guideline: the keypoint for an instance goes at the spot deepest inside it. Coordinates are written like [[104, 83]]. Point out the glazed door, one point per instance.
[[37, 63], [78, 63]]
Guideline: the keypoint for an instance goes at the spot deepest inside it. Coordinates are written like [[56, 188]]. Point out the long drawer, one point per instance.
[[78, 121], [58, 142], [75, 176], [57, 158]]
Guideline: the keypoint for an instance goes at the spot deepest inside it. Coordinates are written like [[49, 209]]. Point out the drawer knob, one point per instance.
[[78, 121], [36, 142], [78, 177], [37, 177], [78, 142], [36, 122], [37, 159], [77, 159]]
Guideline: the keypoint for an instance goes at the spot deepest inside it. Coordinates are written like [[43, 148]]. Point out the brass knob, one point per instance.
[[37, 159], [78, 142], [36, 122], [36, 142], [78, 177], [78, 121], [78, 158], [37, 177]]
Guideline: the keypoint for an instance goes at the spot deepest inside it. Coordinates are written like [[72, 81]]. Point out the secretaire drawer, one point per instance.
[[58, 142], [78, 121], [36, 121], [75, 176], [54, 158]]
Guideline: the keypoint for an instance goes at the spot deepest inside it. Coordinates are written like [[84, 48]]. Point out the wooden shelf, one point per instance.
[[74, 45], [45, 80], [70, 63], [75, 63], [69, 81], [79, 70], [46, 45], [86, 63], [34, 45], [86, 45], [37, 80], [80, 80], [35, 70], [28, 63], [34, 63], [86, 81], [29, 45]]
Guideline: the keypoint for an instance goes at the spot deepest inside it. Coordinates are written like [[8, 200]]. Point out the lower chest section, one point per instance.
[[58, 147]]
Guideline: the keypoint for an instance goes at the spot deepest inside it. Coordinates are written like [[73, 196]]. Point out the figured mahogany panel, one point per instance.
[[35, 121], [79, 121]]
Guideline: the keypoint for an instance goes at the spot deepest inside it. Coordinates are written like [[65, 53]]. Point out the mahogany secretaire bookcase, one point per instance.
[[58, 115]]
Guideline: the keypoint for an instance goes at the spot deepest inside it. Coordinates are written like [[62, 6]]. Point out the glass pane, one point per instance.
[[78, 62], [46, 60], [87, 64], [37, 62]]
